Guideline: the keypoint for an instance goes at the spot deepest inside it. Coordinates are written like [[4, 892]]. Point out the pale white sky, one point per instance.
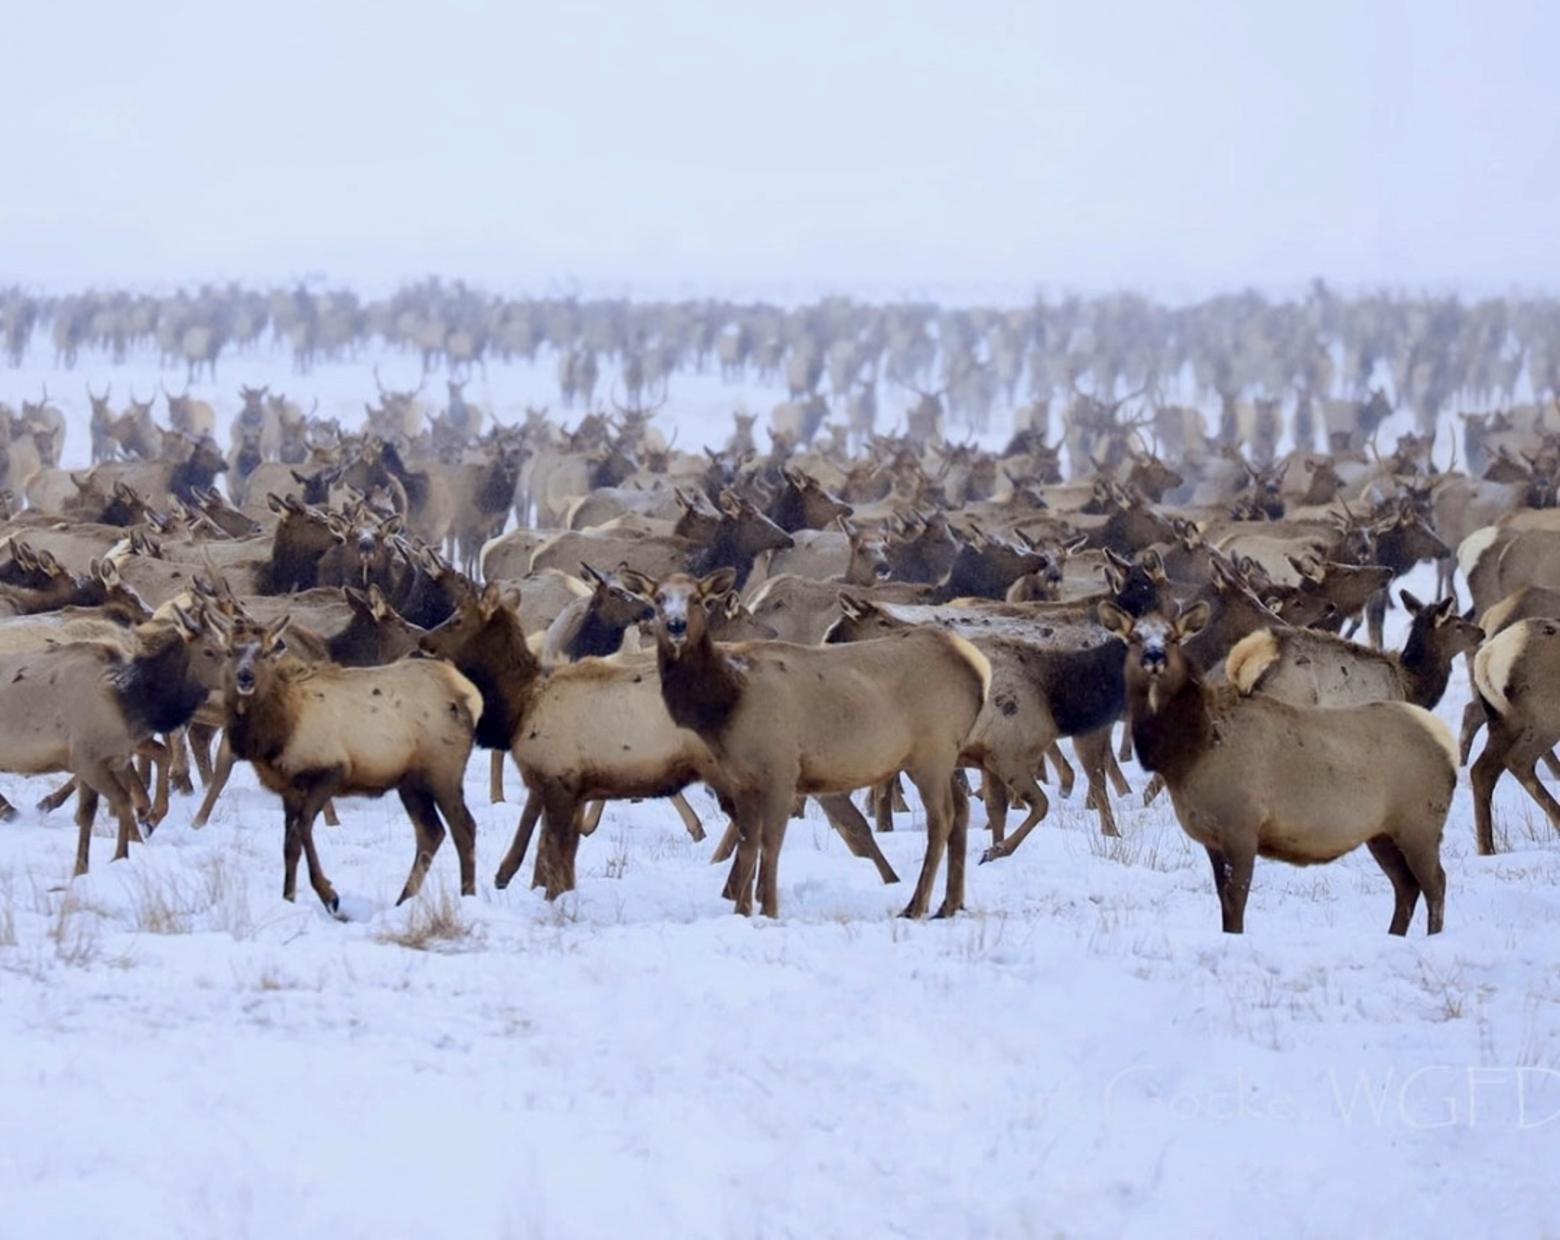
[[737, 146]]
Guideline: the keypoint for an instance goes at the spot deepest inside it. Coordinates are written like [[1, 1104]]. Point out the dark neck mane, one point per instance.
[[700, 687], [1170, 740], [1424, 675]]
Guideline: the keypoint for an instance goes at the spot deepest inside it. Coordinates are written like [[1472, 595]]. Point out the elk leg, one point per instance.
[[897, 788], [690, 819], [958, 850], [313, 799], [161, 763], [1405, 891], [430, 834], [1424, 861], [1118, 781], [329, 811], [463, 831], [777, 817], [749, 822], [937, 796], [200, 736], [214, 786], [1552, 764], [116, 784], [1237, 886], [1064, 771], [496, 776], [1124, 752], [1221, 872], [1152, 789], [1030, 794], [8, 811], [1093, 750], [1523, 766], [179, 761], [1482, 777], [994, 792], [561, 831], [1376, 617], [882, 807], [517, 848], [56, 798], [86, 812], [729, 840], [856, 832]]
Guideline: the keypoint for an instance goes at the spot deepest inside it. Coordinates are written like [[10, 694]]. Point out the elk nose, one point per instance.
[[677, 627], [1154, 661]]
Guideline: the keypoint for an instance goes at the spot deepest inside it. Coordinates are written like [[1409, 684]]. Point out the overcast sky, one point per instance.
[[740, 146]]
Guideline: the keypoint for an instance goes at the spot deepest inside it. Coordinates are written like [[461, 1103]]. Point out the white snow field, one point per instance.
[[182, 1053]]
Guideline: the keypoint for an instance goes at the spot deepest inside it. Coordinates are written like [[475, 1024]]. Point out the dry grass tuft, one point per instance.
[[432, 923]]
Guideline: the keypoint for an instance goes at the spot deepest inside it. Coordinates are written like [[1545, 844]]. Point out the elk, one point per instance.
[[549, 719], [1306, 668], [314, 733], [1253, 776], [88, 707], [1514, 675], [782, 720]]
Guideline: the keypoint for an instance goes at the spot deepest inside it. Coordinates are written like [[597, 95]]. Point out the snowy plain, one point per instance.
[[1083, 1053]]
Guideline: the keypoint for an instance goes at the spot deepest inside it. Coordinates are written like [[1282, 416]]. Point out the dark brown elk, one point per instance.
[[1253, 776]]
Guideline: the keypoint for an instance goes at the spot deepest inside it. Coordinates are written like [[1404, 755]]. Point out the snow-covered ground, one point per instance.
[[1082, 1053]]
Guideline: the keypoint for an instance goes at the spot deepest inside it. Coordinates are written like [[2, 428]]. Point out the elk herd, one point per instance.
[[833, 613]]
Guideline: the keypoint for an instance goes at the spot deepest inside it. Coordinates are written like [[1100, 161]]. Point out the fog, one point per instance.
[[772, 147]]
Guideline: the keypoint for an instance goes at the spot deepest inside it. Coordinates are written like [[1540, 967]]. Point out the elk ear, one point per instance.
[[1410, 603], [391, 525], [108, 572], [271, 641], [1074, 547], [1192, 621], [490, 600], [1444, 610], [636, 582], [1115, 621], [377, 603], [275, 503], [718, 582], [590, 574], [1117, 561], [1154, 566], [853, 608]]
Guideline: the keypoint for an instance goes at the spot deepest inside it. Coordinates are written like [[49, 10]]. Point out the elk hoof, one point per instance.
[[991, 854], [500, 882], [333, 907], [947, 911], [911, 913], [8, 812], [183, 786]]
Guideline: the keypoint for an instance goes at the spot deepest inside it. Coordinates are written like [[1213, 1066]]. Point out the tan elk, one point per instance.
[[1253, 776], [314, 733], [783, 719]]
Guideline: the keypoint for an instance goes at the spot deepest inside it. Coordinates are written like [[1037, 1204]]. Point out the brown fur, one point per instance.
[[782, 719], [1254, 776], [313, 733]]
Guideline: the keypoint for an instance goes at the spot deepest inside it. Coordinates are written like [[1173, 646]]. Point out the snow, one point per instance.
[[1082, 1053]]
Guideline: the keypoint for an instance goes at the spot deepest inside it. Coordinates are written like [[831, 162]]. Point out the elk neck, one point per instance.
[[700, 687]]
